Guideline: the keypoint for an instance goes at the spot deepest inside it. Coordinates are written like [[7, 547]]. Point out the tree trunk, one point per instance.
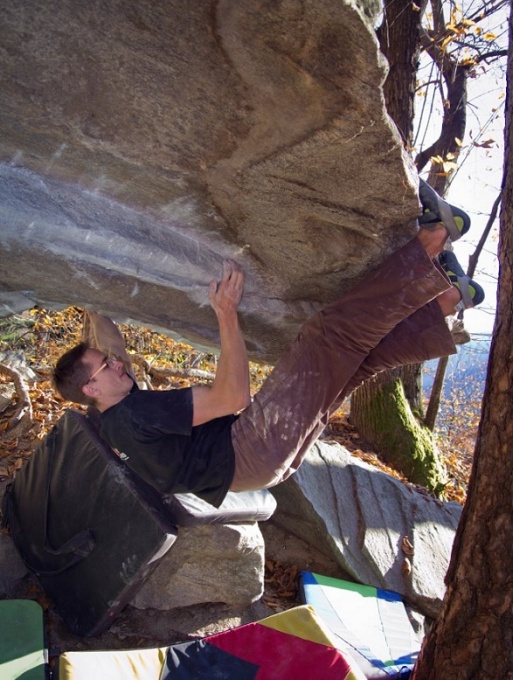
[[436, 394], [399, 40], [472, 638], [399, 37], [411, 377], [380, 410]]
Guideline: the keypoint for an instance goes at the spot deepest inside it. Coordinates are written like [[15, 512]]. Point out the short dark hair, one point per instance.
[[71, 373]]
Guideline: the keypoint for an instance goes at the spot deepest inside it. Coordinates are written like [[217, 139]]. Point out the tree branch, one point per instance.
[[161, 373], [472, 261], [23, 415]]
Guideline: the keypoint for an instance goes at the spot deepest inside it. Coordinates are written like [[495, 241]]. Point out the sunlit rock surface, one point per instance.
[[360, 517], [143, 142]]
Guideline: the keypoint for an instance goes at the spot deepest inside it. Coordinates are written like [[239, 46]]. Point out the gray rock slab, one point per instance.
[[209, 563], [143, 142], [360, 515]]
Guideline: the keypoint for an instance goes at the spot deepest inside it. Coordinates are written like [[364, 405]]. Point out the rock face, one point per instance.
[[143, 142], [210, 563], [359, 516]]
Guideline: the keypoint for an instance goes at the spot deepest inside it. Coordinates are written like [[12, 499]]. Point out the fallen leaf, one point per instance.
[[407, 547], [406, 569]]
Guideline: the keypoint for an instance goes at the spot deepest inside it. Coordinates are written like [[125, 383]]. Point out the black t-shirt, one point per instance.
[[153, 434]]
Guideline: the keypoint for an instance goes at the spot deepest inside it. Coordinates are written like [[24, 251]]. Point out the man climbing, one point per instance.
[[188, 440]]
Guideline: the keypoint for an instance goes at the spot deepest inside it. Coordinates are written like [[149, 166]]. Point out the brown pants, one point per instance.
[[390, 318]]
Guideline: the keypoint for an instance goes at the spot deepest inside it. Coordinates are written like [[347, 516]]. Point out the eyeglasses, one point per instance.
[[108, 363]]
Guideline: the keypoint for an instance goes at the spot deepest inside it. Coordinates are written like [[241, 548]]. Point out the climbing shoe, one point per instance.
[[436, 210], [471, 292]]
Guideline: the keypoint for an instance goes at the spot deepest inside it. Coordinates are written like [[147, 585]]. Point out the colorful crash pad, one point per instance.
[[134, 664], [368, 623], [292, 645], [22, 647]]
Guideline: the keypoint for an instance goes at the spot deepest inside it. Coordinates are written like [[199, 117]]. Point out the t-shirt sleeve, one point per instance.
[[169, 411]]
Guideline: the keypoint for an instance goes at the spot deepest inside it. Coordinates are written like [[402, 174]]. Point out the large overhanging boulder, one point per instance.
[[143, 142]]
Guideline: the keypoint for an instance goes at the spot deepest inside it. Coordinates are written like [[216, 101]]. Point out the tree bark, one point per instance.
[[411, 377], [399, 40], [472, 638]]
